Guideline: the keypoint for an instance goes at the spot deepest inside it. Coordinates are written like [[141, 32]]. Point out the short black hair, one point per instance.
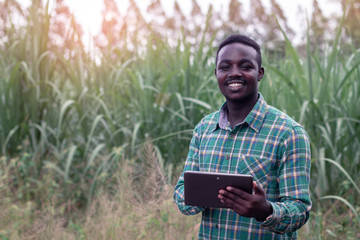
[[238, 38]]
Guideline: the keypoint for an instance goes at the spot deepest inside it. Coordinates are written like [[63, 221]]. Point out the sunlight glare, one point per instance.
[[88, 14]]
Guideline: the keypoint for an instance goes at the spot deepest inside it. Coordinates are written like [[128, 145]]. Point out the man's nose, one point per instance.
[[235, 71]]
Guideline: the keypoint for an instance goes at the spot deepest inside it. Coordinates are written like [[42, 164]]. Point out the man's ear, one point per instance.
[[261, 73]]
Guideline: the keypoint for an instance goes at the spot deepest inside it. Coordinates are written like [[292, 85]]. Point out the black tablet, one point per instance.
[[202, 188]]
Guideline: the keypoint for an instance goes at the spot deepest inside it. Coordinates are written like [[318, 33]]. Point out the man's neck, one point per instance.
[[237, 111]]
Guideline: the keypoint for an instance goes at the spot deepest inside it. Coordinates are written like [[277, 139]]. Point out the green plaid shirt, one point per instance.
[[271, 147]]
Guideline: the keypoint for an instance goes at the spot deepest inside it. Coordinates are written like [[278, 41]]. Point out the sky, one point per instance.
[[90, 16], [88, 12]]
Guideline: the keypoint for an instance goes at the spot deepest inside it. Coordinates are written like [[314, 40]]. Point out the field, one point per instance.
[[92, 144]]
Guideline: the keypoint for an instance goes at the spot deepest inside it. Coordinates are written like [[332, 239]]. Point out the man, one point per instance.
[[247, 136]]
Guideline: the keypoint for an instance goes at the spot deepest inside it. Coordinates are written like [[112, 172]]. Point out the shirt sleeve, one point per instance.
[[191, 164], [292, 210]]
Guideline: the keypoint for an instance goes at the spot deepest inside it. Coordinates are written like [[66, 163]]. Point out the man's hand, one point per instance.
[[245, 204]]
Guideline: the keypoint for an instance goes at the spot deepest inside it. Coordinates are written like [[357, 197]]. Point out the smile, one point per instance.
[[235, 84]]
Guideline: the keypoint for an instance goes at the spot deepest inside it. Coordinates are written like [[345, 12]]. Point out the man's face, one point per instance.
[[238, 73]]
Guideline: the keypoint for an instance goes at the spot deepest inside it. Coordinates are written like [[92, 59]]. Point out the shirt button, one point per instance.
[[227, 157], [216, 225], [232, 135]]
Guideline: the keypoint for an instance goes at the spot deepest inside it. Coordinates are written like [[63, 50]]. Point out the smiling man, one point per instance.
[[248, 136]]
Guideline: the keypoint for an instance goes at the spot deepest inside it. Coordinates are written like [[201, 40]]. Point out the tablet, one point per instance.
[[202, 188]]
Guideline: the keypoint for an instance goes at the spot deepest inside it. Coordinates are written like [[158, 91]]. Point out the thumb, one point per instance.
[[258, 189]]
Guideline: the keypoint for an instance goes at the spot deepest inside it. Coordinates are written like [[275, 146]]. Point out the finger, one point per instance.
[[258, 189], [236, 206], [238, 192], [223, 194]]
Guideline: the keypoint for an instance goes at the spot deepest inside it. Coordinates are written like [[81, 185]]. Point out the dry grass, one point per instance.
[[140, 207]]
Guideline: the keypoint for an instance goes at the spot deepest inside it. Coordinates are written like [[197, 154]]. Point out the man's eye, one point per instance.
[[246, 67], [224, 67]]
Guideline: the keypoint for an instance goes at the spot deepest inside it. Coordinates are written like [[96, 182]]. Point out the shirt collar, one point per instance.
[[254, 119]]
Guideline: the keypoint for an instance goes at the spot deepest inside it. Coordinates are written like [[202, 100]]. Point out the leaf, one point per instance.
[[343, 200], [63, 110], [198, 102], [69, 161]]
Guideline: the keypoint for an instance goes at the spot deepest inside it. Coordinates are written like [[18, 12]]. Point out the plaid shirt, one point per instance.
[[271, 147]]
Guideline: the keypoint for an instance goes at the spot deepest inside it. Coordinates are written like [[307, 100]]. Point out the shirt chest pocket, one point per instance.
[[259, 168]]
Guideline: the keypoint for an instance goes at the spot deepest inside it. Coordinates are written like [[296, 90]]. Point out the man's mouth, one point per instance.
[[235, 84]]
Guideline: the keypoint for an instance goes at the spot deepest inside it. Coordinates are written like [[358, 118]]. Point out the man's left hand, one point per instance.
[[246, 204]]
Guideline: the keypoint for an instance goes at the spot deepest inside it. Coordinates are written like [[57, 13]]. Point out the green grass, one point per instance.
[[75, 132], [321, 93]]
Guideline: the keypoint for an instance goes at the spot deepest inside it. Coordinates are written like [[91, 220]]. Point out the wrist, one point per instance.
[[267, 213]]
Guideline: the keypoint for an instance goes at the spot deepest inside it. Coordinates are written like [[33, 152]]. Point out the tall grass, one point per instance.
[[321, 93], [70, 126], [72, 116]]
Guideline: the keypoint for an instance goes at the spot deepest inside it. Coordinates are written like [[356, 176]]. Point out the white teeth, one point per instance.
[[235, 84]]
